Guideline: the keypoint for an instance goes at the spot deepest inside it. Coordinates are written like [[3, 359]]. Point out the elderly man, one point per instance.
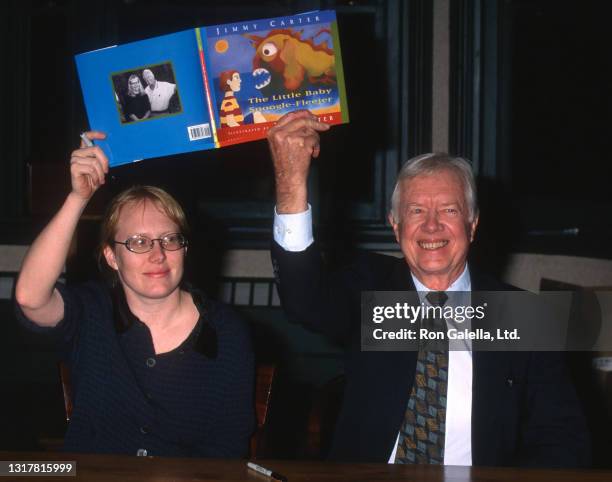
[[487, 408], [159, 93]]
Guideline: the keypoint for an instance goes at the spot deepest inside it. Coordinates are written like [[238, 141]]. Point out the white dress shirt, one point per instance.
[[293, 232], [159, 98]]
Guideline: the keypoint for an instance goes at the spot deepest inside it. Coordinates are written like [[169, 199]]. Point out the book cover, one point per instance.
[[115, 88], [210, 87], [260, 70]]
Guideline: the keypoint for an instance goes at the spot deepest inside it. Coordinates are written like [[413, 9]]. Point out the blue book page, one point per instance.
[[148, 97]]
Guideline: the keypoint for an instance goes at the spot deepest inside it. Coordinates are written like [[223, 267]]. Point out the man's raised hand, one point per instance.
[[294, 141]]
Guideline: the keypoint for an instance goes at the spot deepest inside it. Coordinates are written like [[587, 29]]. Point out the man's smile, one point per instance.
[[432, 245]]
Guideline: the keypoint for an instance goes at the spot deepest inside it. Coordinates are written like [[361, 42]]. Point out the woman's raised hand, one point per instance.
[[88, 167]]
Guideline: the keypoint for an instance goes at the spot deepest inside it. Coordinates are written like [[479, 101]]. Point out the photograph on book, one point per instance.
[[146, 92]]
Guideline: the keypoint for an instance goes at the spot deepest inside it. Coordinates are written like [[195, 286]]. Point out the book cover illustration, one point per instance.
[[205, 88], [260, 70]]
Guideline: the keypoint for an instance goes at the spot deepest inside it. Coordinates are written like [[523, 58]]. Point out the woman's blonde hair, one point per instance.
[[140, 87], [134, 195]]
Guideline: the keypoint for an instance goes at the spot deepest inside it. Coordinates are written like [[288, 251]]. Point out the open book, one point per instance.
[[210, 87]]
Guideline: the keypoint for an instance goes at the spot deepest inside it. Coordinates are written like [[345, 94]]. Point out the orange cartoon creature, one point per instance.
[[297, 61]]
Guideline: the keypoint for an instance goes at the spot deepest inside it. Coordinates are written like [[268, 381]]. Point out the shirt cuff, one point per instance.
[[293, 232]]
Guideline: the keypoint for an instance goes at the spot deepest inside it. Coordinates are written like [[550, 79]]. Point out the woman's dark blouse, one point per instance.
[[196, 400], [138, 105]]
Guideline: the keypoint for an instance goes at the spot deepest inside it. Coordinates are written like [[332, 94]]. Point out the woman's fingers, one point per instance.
[[84, 173], [90, 168], [91, 135], [95, 154]]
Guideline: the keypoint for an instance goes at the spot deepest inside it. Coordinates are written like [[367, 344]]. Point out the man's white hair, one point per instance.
[[432, 163]]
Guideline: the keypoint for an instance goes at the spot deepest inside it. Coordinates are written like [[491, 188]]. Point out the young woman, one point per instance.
[[136, 104], [157, 368]]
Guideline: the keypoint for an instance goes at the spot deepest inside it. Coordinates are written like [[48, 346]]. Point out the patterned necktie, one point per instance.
[[421, 438]]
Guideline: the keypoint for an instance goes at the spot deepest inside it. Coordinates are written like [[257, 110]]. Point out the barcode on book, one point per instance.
[[198, 132]]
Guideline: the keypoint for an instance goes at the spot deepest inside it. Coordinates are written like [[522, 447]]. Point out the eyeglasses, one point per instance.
[[142, 244]]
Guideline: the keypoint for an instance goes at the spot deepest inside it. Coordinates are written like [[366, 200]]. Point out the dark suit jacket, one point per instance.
[[524, 409]]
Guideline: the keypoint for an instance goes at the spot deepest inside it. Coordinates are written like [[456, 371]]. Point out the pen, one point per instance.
[[86, 140], [268, 472]]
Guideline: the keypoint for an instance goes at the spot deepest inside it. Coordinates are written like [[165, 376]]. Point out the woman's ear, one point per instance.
[[109, 255]]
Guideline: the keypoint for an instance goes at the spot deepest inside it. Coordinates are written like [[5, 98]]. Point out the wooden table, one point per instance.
[[121, 468]]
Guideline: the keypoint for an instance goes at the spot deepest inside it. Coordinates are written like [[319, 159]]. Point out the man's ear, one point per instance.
[[109, 255], [394, 225], [473, 225]]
